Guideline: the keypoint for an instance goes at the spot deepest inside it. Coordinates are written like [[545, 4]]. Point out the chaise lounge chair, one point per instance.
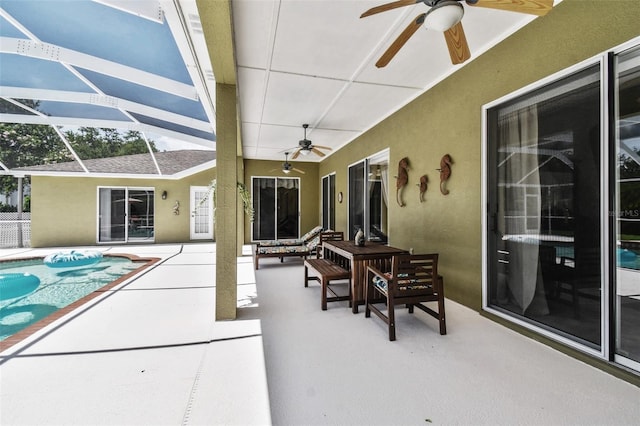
[[298, 247]]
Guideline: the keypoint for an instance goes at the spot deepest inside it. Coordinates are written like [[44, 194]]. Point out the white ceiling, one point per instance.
[[312, 61]]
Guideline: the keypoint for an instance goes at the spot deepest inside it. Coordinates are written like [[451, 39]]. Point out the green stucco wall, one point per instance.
[[448, 119], [64, 209], [309, 189]]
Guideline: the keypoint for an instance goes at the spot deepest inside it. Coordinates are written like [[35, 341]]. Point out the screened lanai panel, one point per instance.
[[34, 73], [145, 95], [8, 30], [7, 107], [26, 145], [108, 64], [80, 110], [124, 37], [174, 127]]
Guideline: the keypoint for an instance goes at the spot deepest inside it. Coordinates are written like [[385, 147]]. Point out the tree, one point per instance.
[[92, 142], [30, 144]]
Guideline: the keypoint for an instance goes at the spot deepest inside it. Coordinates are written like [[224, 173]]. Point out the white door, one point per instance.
[[201, 224]]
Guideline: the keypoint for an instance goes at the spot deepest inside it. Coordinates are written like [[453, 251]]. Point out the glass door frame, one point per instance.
[[614, 114], [556, 335], [127, 189]]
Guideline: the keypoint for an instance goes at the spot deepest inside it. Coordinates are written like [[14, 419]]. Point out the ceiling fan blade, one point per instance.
[[297, 170], [388, 55], [457, 44], [295, 155], [532, 7], [317, 151], [389, 6], [323, 147]]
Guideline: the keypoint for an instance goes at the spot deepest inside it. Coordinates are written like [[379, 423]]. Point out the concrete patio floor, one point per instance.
[[146, 353], [149, 352]]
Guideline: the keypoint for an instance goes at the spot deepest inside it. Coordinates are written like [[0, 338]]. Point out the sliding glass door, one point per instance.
[[627, 210], [276, 204], [368, 194], [126, 214], [328, 202], [562, 225], [544, 236]]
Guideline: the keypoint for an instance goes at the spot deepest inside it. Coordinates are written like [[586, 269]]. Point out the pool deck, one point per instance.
[[148, 352]]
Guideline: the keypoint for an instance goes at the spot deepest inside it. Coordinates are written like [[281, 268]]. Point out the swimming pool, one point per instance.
[[60, 289]]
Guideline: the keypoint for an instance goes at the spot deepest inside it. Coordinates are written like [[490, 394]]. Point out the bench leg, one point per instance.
[[306, 276], [323, 287]]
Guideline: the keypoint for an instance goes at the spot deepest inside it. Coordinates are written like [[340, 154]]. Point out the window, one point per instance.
[[562, 224], [276, 205]]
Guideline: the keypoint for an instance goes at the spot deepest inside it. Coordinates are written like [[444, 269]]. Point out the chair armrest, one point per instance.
[[377, 272]]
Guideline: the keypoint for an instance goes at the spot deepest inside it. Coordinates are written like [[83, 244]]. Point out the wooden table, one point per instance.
[[359, 258]]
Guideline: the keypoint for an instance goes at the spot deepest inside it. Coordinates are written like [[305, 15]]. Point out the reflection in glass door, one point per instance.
[[627, 205], [544, 207], [356, 198], [112, 216]]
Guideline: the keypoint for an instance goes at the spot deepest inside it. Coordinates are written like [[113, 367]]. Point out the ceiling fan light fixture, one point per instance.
[[286, 171], [305, 151], [444, 15]]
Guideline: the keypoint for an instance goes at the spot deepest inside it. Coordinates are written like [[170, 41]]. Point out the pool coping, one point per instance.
[[54, 316]]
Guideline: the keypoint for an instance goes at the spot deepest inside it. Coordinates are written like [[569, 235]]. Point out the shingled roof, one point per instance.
[[169, 162]]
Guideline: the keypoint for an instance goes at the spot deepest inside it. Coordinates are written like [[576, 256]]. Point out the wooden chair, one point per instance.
[[328, 236], [412, 281]]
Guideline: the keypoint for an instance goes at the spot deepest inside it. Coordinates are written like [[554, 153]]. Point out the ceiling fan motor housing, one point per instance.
[[305, 144]]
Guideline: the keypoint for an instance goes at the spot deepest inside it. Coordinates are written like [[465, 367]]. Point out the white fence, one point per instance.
[[15, 230]]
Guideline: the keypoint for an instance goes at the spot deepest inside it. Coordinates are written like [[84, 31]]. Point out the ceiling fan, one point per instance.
[[287, 167], [305, 146], [446, 16]]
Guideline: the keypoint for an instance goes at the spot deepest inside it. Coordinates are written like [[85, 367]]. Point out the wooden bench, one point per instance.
[[327, 271]]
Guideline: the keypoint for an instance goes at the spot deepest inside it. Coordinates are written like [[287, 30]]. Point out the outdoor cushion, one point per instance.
[[282, 250], [292, 241], [408, 284]]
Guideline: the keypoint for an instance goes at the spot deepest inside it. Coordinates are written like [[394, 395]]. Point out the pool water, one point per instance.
[[58, 288]]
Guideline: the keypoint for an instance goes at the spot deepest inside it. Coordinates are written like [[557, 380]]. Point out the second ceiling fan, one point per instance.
[[446, 16], [305, 146]]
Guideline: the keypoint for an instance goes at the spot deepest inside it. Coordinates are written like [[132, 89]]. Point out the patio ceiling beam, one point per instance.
[[112, 124], [104, 101], [50, 52]]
